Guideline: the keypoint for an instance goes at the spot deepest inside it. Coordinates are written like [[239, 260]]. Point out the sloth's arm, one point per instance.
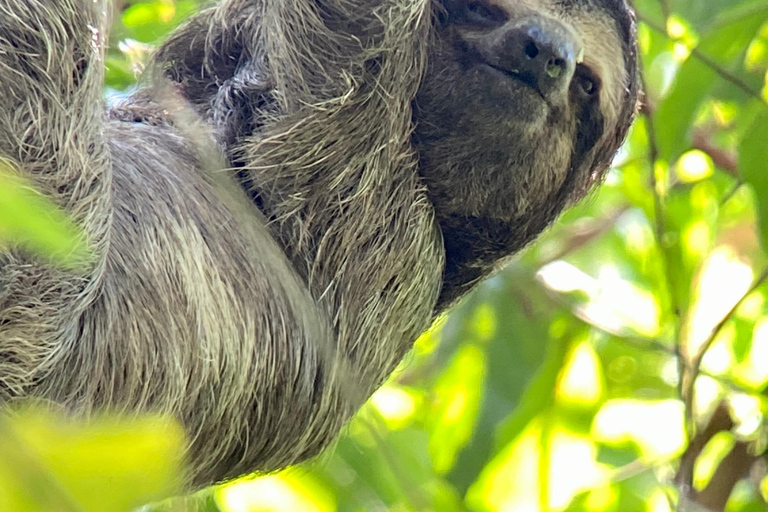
[[51, 110], [189, 307], [52, 121]]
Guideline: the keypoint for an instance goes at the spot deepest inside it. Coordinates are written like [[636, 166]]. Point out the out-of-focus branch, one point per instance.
[[735, 466], [579, 237], [719, 422], [659, 232], [726, 160], [701, 139]]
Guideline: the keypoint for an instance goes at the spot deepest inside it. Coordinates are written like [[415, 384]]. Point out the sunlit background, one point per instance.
[[577, 378]]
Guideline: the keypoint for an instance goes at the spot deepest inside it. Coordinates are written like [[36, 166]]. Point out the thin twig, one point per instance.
[[655, 345], [708, 61], [729, 195], [658, 203], [726, 160], [665, 8], [586, 234], [695, 363], [742, 14]]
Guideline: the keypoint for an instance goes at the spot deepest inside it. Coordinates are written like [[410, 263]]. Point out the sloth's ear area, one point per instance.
[[198, 56]]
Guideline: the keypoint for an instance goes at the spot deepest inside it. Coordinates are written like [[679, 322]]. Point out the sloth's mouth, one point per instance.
[[523, 78]]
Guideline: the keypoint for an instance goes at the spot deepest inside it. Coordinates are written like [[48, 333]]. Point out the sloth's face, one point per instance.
[[523, 104]]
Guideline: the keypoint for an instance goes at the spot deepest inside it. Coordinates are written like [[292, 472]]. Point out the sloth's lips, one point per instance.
[[518, 77]]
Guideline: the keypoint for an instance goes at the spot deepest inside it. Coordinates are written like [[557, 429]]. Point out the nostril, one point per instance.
[[555, 67], [538, 51], [531, 50]]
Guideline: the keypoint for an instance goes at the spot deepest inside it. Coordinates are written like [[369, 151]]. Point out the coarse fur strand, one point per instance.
[[264, 247]]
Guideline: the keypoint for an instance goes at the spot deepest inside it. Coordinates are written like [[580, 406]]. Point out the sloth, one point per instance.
[[293, 194]]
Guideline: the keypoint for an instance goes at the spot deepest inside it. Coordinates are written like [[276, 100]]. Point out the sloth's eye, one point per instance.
[[587, 83], [587, 86], [479, 13]]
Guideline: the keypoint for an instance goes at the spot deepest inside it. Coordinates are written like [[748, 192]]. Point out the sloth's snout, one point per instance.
[[538, 51]]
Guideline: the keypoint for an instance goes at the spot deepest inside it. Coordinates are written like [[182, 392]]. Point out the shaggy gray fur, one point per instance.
[[265, 249]]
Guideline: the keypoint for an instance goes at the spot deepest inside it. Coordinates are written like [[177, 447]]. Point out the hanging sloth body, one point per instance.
[[298, 190]]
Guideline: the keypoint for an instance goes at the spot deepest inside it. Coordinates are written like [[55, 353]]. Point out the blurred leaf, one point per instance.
[[119, 74], [538, 395], [51, 463], [151, 21], [30, 219], [753, 163], [458, 393], [742, 343], [514, 354]]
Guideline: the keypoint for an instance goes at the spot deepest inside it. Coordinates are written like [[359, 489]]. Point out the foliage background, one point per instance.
[[619, 364]]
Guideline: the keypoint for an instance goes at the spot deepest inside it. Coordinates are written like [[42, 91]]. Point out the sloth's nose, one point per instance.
[[540, 52]]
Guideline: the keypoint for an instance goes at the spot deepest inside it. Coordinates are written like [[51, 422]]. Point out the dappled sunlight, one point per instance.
[[563, 277], [657, 427], [634, 229], [658, 501], [708, 393], [484, 322], [602, 497], [581, 381], [723, 280], [395, 405], [747, 410], [719, 358], [694, 166], [511, 482], [275, 493], [613, 303], [697, 238], [455, 404], [573, 467], [711, 456]]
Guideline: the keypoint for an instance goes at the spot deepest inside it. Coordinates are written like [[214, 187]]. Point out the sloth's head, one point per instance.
[[523, 105], [519, 111]]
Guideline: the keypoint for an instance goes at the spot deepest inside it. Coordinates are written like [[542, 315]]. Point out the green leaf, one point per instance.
[[55, 464], [458, 392], [696, 79], [30, 219], [516, 350], [151, 21], [119, 74], [753, 164], [675, 115], [742, 343], [539, 394]]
